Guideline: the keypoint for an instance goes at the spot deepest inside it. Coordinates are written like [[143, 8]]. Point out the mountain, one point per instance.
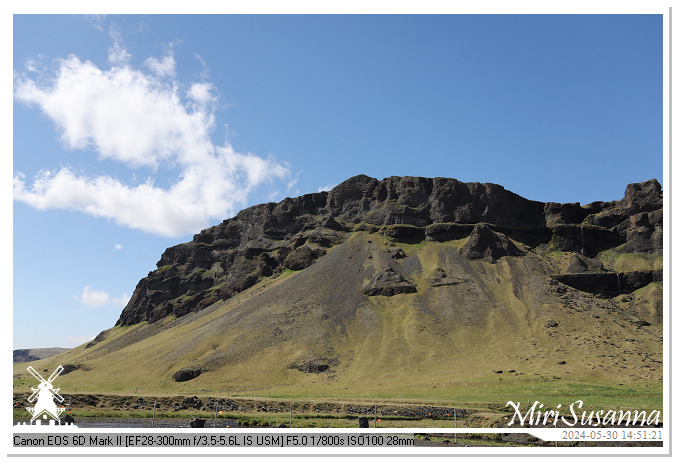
[[264, 240], [34, 354], [398, 287]]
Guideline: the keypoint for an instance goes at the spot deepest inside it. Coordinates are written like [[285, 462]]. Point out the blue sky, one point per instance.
[[132, 133]]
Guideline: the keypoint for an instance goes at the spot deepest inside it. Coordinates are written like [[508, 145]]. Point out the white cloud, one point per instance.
[[97, 298], [205, 72], [139, 120], [201, 92], [97, 20], [94, 298], [162, 68], [118, 247], [117, 53], [35, 64]]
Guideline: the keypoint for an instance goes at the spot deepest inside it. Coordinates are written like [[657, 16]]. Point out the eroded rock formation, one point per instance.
[[265, 240]]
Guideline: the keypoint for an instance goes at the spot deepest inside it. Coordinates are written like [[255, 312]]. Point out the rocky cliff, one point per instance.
[[268, 239]]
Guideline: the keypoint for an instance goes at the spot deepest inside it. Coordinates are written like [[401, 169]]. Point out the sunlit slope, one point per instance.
[[316, 332]]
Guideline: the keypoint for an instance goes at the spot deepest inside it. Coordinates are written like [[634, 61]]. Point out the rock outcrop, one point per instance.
[[187, 373], [486, 244], [388, 282], [265, 240]]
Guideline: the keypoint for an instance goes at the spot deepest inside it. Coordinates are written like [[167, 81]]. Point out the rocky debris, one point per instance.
[[395, 253], [430, 412], [207, 405], [89, 400], [440, 279], [186, 373], [263, 240], [313, 367], [191, 403], [641, 323], [551, 323], [578, 264], [388, 282], [486, 244]]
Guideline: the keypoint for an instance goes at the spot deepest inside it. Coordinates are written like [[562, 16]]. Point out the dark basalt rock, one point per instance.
[[303, 257], [584, 239], [191, 403], [641, 323], [448, 231], [388, 282], [262, 240], [313, 367], [332, 224], [186, 373], [642, 233], [440, 279], [645, 196], [486, 244], [68, 368], [404, 233], [396, 253], [610, 283]]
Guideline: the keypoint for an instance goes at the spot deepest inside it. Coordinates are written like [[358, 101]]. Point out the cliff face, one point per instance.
[[265, 240]]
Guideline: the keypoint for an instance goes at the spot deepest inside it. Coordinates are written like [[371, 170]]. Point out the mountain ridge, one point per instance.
[[34, 354], [262, 240]]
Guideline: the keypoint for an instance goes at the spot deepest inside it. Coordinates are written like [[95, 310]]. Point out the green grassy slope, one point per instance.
[[443, 343]]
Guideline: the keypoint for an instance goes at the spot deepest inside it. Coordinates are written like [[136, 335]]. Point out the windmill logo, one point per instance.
[[46, 396]]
